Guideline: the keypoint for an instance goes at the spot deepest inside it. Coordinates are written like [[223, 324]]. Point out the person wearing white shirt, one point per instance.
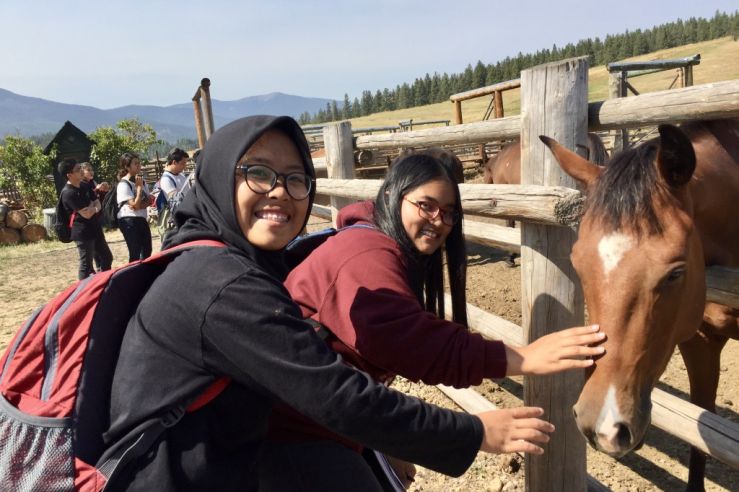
[[174, 178], [133, 198]]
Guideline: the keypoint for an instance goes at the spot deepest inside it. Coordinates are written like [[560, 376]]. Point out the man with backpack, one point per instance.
[[81, 206], [169, 190], [174, 178]]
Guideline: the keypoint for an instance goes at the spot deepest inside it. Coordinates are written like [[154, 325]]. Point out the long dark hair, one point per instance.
[[425, 273], [124, 162]]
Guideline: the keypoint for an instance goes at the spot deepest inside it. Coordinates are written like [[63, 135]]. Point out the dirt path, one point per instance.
[[31, 277]]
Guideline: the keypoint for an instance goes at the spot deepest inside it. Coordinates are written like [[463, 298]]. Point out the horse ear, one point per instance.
[[675, 156], [578, 167]]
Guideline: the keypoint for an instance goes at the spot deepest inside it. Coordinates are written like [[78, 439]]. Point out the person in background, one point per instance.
[[173, 178], [133, 198], [224, 312], [88, 177], [388, 320], [100, 190], [83, 206]]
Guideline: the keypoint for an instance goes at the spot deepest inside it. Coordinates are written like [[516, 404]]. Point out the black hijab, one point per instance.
[[208, 211]]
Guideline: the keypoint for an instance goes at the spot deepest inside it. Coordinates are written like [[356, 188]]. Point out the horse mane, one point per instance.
[[623, 196]]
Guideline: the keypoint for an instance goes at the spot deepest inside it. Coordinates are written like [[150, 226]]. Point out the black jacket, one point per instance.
[[214, 312], [223, 312]]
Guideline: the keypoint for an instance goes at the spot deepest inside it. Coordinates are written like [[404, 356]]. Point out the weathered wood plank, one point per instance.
[[465, 133], [486, 91], [706, 101], [715, 100], [707, 431], [337, 140], [497, 236], [554, 102], [554, 205], [722, 285]]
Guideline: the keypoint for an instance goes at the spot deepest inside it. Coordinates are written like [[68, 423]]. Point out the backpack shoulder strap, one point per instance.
[[127, 452]]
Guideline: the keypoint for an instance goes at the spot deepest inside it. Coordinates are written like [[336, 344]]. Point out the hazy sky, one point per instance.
[[109, 54]]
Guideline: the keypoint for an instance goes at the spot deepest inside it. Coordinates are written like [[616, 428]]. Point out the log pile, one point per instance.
[[15, 225]]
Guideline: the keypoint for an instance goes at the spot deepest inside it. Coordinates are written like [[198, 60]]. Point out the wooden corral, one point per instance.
[[619, 85], [545, 208]]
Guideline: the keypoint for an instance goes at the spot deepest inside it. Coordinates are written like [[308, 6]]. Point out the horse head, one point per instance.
[[640, 260]]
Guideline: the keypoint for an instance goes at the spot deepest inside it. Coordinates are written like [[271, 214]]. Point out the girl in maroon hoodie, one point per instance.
[[377, 290]]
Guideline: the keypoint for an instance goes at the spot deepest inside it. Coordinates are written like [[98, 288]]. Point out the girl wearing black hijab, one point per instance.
[[218, 312]]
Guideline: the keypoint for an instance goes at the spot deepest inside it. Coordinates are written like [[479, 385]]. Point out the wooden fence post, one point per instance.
[[339, 145], [617, 88], [498, 98], [199, 129], [207, 107], [457, 112], [554, 102]]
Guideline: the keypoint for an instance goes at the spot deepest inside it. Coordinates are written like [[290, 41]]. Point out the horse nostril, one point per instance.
[[574, 412], [623, 436]]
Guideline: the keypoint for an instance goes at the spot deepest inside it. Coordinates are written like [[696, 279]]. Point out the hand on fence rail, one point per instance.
[[556, 352]]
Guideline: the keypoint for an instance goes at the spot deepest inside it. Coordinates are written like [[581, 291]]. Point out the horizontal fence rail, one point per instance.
[[716, 100], [551, 205]]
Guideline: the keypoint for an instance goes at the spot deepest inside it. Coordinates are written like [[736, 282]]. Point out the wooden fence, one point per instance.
[[546, 208]]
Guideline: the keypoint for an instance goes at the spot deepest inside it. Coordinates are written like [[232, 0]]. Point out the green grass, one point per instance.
[[719, 61]]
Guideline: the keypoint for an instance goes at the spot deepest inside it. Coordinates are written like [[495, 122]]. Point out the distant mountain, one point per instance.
[[29, 116]]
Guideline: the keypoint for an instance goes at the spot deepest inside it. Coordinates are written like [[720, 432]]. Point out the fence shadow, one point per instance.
[[478, 254]]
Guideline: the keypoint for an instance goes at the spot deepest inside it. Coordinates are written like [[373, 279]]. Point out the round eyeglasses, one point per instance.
[[430, 211], [263, 179]]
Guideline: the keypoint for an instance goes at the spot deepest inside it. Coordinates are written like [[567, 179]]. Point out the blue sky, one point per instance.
[[109, 54]]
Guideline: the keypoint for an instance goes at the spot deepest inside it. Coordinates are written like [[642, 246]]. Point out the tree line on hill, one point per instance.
[[437, 88]]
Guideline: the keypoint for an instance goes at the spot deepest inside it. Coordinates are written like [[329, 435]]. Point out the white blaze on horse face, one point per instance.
[[612, 248], [607, 425]]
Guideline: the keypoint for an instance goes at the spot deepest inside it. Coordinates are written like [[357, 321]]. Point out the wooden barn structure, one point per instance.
[[72, 142]]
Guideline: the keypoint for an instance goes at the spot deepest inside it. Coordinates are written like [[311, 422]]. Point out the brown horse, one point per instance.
[[655, 216], [505, 168]]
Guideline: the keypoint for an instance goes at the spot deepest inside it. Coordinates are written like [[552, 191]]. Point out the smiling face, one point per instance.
[[427, 235], [269, 221]]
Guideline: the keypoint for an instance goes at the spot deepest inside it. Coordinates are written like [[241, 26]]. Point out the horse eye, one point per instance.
[[675, 275]]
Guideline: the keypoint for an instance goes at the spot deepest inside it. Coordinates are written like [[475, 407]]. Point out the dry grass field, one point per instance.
[[719, 61]]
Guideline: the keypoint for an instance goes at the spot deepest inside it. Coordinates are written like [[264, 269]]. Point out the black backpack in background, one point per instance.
[[110, 205], [109, 219], [63, 222]]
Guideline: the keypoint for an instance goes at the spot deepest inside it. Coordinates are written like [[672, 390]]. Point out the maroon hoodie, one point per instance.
[[356, 285]]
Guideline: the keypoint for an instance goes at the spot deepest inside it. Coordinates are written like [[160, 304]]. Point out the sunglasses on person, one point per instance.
[[430, 211], [263, 179]]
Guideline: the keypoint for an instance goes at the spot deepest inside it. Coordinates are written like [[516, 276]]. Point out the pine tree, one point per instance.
[[346, 110], [389, 97], [379, 102], [356, 108], [335, 116], [478, 75], [367, 103]]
